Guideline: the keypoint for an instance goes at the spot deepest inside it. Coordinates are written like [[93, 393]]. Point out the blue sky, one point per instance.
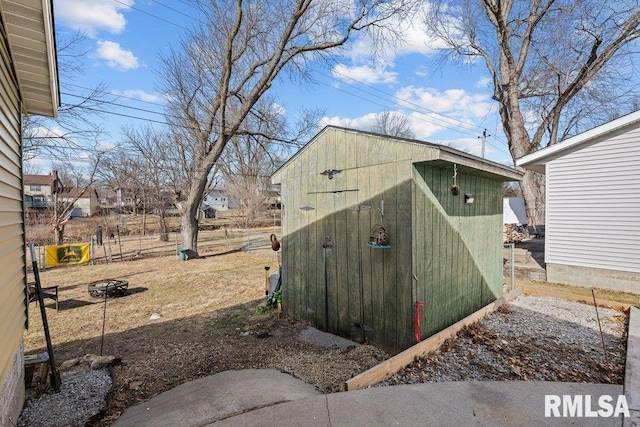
[[125, 38]]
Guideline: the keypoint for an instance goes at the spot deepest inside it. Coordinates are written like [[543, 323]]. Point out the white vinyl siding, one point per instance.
[[12, 259], [593, 204]]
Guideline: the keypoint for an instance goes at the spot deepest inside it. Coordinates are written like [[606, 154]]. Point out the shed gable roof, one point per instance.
[[537, 161], [435, 152], [30, 33]]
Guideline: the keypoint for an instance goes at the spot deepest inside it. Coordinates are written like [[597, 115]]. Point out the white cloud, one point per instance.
[[435, 115], [363, 74], [140, 94], [483, 82], [115, 56], [361, 123], [278, 109], [453, 102], [92, 16], [415, 39], [422, 71]]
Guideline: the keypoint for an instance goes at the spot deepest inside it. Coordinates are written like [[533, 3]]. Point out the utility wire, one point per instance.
[[150, 14], [454, 124], [118, 105], [175, 10]]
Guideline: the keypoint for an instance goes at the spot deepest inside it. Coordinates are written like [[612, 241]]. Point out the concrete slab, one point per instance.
[[271, 398], [632, 367], [502, 403], [215, 397], [318, 338]]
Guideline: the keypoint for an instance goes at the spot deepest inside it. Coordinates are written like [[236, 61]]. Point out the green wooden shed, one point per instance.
[[370, 227]]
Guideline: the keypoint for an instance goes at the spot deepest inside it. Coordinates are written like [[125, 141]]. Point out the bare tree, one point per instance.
[[62, 209], [70, 175], [394, 124], [152, 148], [231, 60], [76, 122], [253, 154], [547, 59]]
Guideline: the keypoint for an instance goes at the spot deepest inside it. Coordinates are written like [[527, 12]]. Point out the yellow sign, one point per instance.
[[77, 253]]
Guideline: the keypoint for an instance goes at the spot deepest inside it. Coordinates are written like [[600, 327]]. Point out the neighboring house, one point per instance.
[[514, 211], [338, 194], [28, 73], [126, 198], [87, 203], [215, 201], [39, 190], [592, 233], [274, 199]]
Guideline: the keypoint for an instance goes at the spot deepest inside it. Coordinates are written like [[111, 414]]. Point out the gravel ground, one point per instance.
[[82, 395], [531, 338]]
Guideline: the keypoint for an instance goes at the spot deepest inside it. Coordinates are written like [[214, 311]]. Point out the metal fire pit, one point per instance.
[[110, 287]]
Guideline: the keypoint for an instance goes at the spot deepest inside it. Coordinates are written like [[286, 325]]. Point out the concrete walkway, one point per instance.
[[257, 398], [271, 398]]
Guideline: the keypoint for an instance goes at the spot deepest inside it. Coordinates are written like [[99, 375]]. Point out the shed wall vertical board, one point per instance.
[[354, 243], [404, 266], [364, 227], [12, 285], [464, 250], [330, 230], [378, 179], [312, 272], [340, 162], [302, 269], [593, 200], [311, 309], [422, 265], [391, 291], [297, 224]]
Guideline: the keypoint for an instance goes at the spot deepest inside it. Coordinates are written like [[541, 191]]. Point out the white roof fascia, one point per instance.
[[537, 160]]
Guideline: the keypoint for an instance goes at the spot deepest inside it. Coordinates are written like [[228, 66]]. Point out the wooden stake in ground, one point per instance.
[[606, 355], [54, 375]]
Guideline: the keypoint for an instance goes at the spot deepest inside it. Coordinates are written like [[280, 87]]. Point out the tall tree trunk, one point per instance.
[[520, 145], [162, 225], [532, 188], [189, 229], [190, 209], [59, 234]]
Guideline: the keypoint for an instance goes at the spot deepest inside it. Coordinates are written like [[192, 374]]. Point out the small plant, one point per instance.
[[263, 309]]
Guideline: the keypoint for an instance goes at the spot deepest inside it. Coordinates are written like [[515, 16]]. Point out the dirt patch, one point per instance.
[[211, 319]]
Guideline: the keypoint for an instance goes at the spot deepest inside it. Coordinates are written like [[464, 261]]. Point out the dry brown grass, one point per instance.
[[161, 285], [577, 293]]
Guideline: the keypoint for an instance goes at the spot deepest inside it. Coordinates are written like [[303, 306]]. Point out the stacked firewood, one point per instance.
[[510, 234]]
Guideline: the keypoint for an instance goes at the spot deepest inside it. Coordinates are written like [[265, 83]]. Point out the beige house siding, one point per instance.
[[28, 85], [12, 257]]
